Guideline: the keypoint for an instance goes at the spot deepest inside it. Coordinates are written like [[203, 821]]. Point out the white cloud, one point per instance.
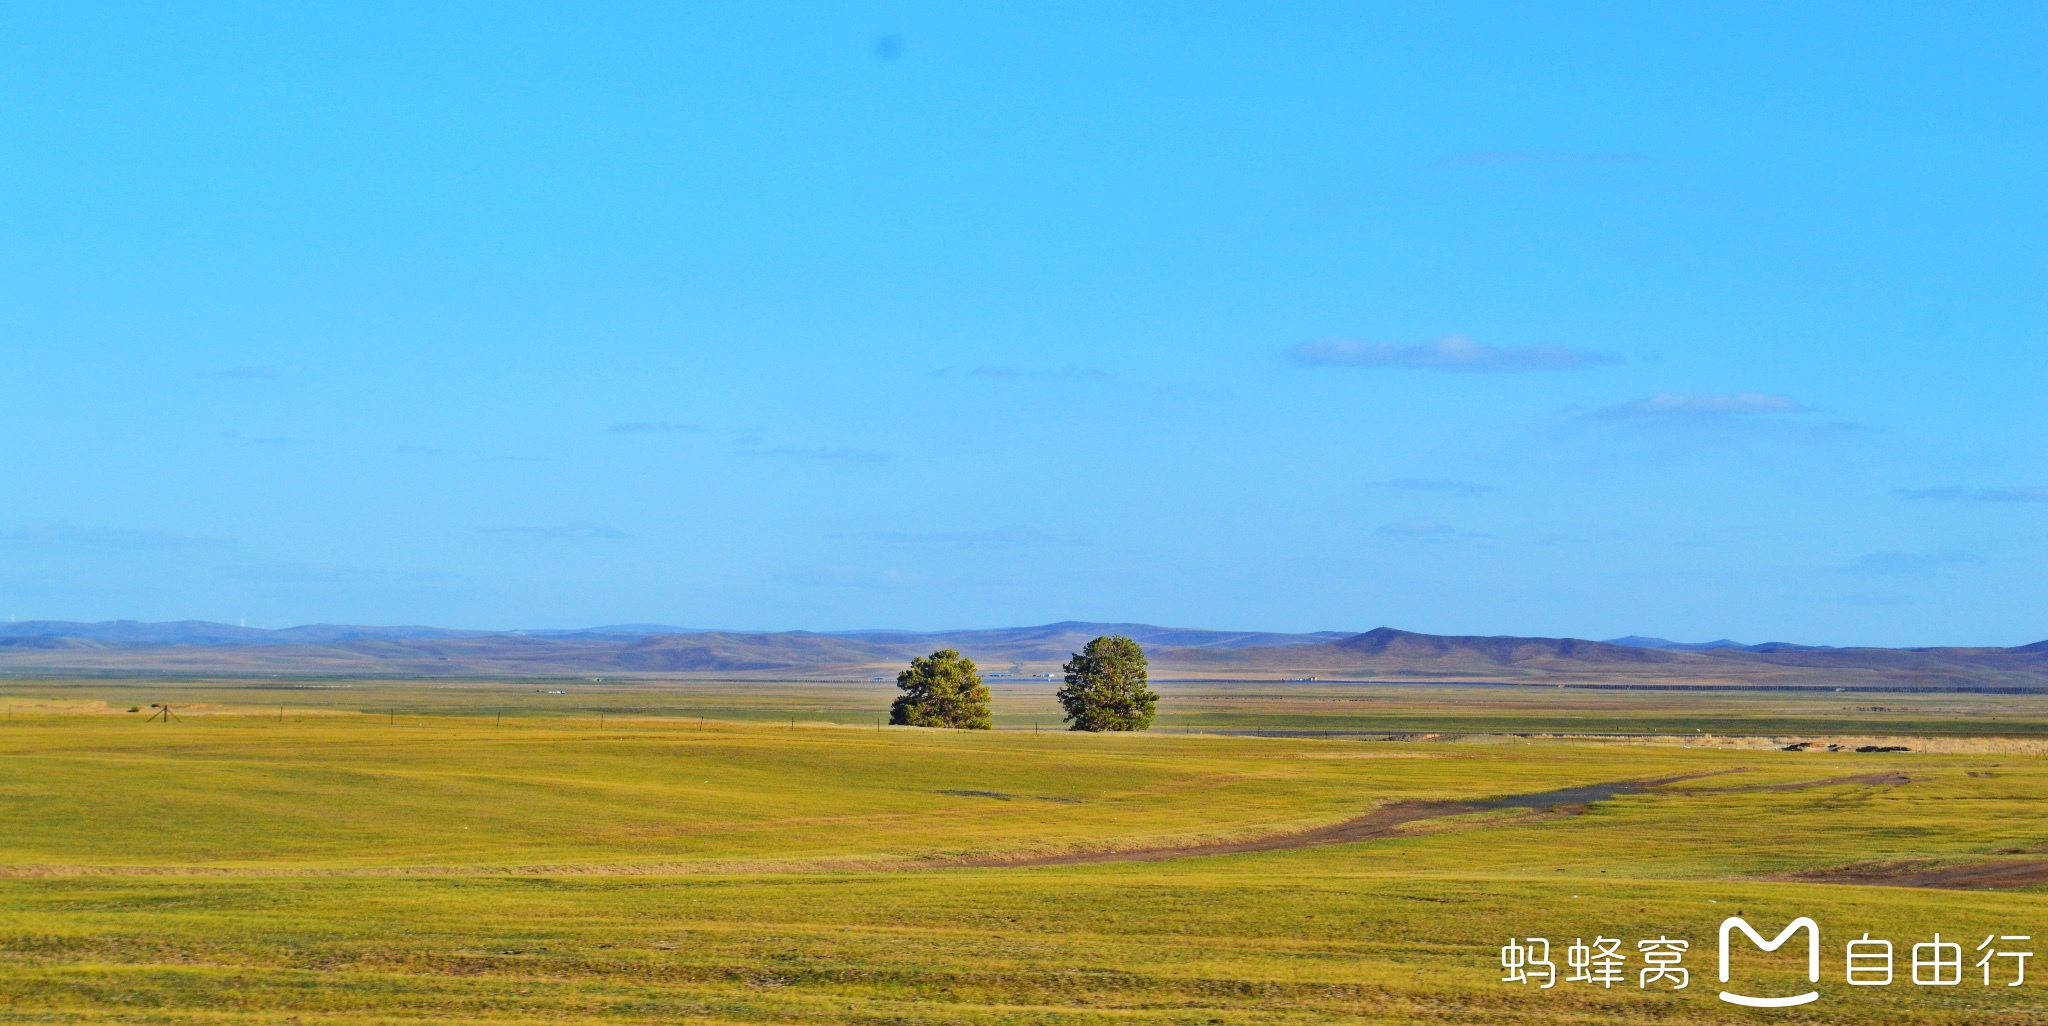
[[1453, 353]]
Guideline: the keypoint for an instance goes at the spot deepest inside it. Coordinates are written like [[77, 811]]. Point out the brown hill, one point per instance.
[[1381, 654], [1386, 642], [1392, 654]]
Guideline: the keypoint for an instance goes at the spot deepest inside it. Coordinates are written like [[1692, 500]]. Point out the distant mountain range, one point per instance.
[[1638, 641], [656, 651]]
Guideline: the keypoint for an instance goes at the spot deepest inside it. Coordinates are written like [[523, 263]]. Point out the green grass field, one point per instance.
[[433, 862]]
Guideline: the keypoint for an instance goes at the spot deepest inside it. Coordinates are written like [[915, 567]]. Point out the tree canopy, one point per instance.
[[941, 690], [1106, 687]]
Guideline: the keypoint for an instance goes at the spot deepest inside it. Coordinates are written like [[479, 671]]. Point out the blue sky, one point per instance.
[[1536, 319]]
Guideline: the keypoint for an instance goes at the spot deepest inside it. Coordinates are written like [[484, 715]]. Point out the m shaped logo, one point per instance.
[[1812, 960]]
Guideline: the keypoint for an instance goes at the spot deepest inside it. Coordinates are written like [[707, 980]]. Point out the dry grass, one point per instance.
[[349, 869]]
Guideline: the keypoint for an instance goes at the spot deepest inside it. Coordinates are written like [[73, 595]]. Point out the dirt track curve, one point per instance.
[[1385, 822]]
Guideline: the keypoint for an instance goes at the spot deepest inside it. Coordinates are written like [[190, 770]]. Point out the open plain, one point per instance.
[[472, 852]]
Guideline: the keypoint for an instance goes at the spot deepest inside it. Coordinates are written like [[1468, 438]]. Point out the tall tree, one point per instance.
[[941, 690], [1106, 686]]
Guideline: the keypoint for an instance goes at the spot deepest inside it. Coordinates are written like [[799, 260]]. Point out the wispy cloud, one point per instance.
[[1675, 406], [997, 538], [574, 530], [1434, 485], [1956, 494], [244, 374], [1453, 353], [1500, 157], [837, 454], [73, 538], [1900, 563], [651, 427]]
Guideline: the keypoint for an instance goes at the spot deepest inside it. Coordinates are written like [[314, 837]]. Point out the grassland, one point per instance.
[[1186, 706], [476, 854]]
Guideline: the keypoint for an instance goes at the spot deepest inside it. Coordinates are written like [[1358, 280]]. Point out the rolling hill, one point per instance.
[[204, 649]]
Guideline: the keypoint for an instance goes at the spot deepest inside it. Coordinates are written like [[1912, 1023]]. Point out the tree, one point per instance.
[[1106, 687], [941, 690]]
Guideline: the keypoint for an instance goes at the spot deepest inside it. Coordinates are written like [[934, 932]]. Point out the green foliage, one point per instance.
[[941, 690], [1106, 687]]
